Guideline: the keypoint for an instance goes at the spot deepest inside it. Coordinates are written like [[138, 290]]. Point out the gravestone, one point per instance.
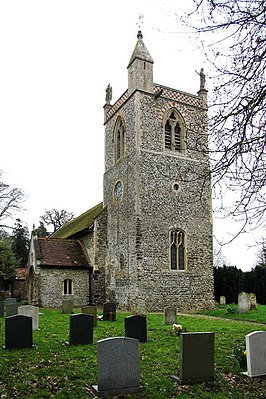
[[18, 332], [32, 311], [252, 301], [11, 309], [10, 301], [136, 327], [2, 308], [81, 329], [139, 307], [118, 367], [256, 354], [109, 311], [169, 315], [67, 305], [222, 300], [196, 358], [243, 302], [92, 311]]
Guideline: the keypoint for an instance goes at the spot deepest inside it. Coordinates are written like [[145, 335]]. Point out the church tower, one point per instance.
[[157, 193]]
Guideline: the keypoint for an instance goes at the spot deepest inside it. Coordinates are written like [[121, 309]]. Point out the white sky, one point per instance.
[[57, 58]]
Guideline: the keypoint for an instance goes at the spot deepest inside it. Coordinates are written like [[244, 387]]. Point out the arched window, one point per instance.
[[119, 139], [173, 132], [67, 286], [177, 250]]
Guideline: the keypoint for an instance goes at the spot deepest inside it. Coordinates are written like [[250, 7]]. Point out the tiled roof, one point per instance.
[[62, 253], [82, 222], [21, 273]]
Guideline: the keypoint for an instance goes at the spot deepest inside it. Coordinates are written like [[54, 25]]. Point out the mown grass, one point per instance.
[[54, 370], [230, 312]]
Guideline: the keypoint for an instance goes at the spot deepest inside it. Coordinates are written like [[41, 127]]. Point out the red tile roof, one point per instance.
[[21, 273], [60, 252]]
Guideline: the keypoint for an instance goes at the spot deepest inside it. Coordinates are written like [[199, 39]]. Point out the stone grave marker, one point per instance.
[[67, 305], [2, 308], [256, 354], [118, 367], [222, 300], [139, 307], [32, 311], [169, 315], [196, 358], [11, 309], [136, 327], [18, 332], [243, 302], [81, 329], [252, 301], [109, 311], [10, 301], [92, 311]]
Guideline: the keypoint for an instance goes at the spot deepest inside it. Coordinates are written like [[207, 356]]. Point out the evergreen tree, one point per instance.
[[21, 243], [8, 263]]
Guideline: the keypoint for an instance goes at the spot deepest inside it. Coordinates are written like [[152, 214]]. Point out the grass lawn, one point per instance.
[[54, 370]]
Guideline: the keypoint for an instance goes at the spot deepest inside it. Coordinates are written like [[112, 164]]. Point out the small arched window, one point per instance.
[[119, 139], [173, 132], [177, 250], [67, 286]]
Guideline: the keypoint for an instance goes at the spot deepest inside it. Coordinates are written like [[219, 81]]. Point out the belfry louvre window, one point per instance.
[[68, 286], [177, 249], [119, 139], [172, 133]]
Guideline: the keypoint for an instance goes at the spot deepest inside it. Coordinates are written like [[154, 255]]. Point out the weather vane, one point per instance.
[[140, 23]]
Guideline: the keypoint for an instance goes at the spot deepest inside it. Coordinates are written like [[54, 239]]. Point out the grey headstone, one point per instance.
[[10, 301], [139, 307], [2, 308], [196, 358], [136, 327], [252, 301], [67, 305], [92, 311], [11, 309], [81, 329], [18, 332], [169, 315], [222, 300], [109, 311], [118, 367], [243, 302], [32, 311], [256, 353]]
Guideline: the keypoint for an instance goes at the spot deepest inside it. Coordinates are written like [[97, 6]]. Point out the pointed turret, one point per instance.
[[140, 68]]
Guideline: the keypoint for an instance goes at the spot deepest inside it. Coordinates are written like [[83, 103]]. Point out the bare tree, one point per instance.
[[233, 35], [56, 218], [10, 203]]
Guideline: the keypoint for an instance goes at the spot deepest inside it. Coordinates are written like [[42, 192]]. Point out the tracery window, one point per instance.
[[173, 132], [119, 139], [177, 250], [68, 286]]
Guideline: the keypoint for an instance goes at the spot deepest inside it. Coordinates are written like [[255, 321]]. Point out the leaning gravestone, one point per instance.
[[243, 302], [81, 329], [92, 311], [31, 311], [252, 301], [196, 358], [67, 305], [109, 311], [256, 354], [118, 367], [222, 300], [2, 308], [169, 315], [18, 332], [136, 327], [11, 309]]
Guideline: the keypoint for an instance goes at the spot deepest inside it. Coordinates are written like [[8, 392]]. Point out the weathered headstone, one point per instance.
[[18, 332], [252, 301], [92, 311], [10, 301], [169, 315], [32, 311], [256, 353], [136, 327], [243, 302], [67, 305], [109, 311], [2, 308], [118, 367], [222, 300], [196, 358], [139, 307], [11, 309], [81, 329]]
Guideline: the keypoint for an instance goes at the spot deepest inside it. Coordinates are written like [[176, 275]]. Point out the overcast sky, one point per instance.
[[57, 58]]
